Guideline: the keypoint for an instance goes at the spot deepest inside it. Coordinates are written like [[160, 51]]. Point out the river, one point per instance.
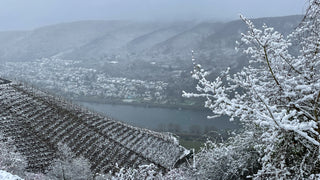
[[163, 119]]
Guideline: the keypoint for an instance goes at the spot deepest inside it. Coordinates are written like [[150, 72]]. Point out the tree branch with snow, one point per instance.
[[279, 94]]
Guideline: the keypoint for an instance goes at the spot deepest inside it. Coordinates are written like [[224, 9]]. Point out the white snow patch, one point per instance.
[[8, 176]]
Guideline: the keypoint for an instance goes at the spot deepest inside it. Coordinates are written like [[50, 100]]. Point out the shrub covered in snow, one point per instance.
[[11, 160], [279, 101], [68, 166], [148, 172], [234, 159]]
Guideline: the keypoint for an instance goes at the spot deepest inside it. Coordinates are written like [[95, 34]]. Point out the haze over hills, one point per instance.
[[89, 40], [148, 51]]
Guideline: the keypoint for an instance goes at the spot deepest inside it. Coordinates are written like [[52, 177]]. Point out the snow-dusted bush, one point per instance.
[[234, 159], [13, 162], [10, 159], [142, 172], [69, 167], [149, 172], [279, 101]]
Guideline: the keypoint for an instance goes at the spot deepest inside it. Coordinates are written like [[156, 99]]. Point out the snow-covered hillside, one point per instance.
[[40, 123]]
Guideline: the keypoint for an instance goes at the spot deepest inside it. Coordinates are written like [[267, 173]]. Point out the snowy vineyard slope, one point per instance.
[[38, 121]]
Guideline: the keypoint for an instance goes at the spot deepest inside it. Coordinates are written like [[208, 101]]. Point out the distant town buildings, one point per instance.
[[68, 78]]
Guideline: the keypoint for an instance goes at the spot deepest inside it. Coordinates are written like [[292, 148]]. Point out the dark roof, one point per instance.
[[38, 122]]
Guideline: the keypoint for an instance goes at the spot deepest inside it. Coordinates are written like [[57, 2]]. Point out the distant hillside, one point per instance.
[[88, 40]]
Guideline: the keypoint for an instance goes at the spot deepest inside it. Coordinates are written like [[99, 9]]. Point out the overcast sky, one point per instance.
[[29, 14]]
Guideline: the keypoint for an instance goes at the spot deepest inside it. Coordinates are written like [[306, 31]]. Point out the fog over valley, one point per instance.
[[16, 15], [170, 89]]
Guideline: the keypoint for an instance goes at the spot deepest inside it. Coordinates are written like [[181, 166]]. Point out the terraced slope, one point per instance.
[[38, 121]]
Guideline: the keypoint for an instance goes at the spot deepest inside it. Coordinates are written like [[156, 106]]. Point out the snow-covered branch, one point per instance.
[[278, 93]]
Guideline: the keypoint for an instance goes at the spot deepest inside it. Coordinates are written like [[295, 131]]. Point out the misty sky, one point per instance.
[[29, 14]]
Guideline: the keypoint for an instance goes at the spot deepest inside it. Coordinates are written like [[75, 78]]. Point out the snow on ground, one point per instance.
[[8, 176]]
